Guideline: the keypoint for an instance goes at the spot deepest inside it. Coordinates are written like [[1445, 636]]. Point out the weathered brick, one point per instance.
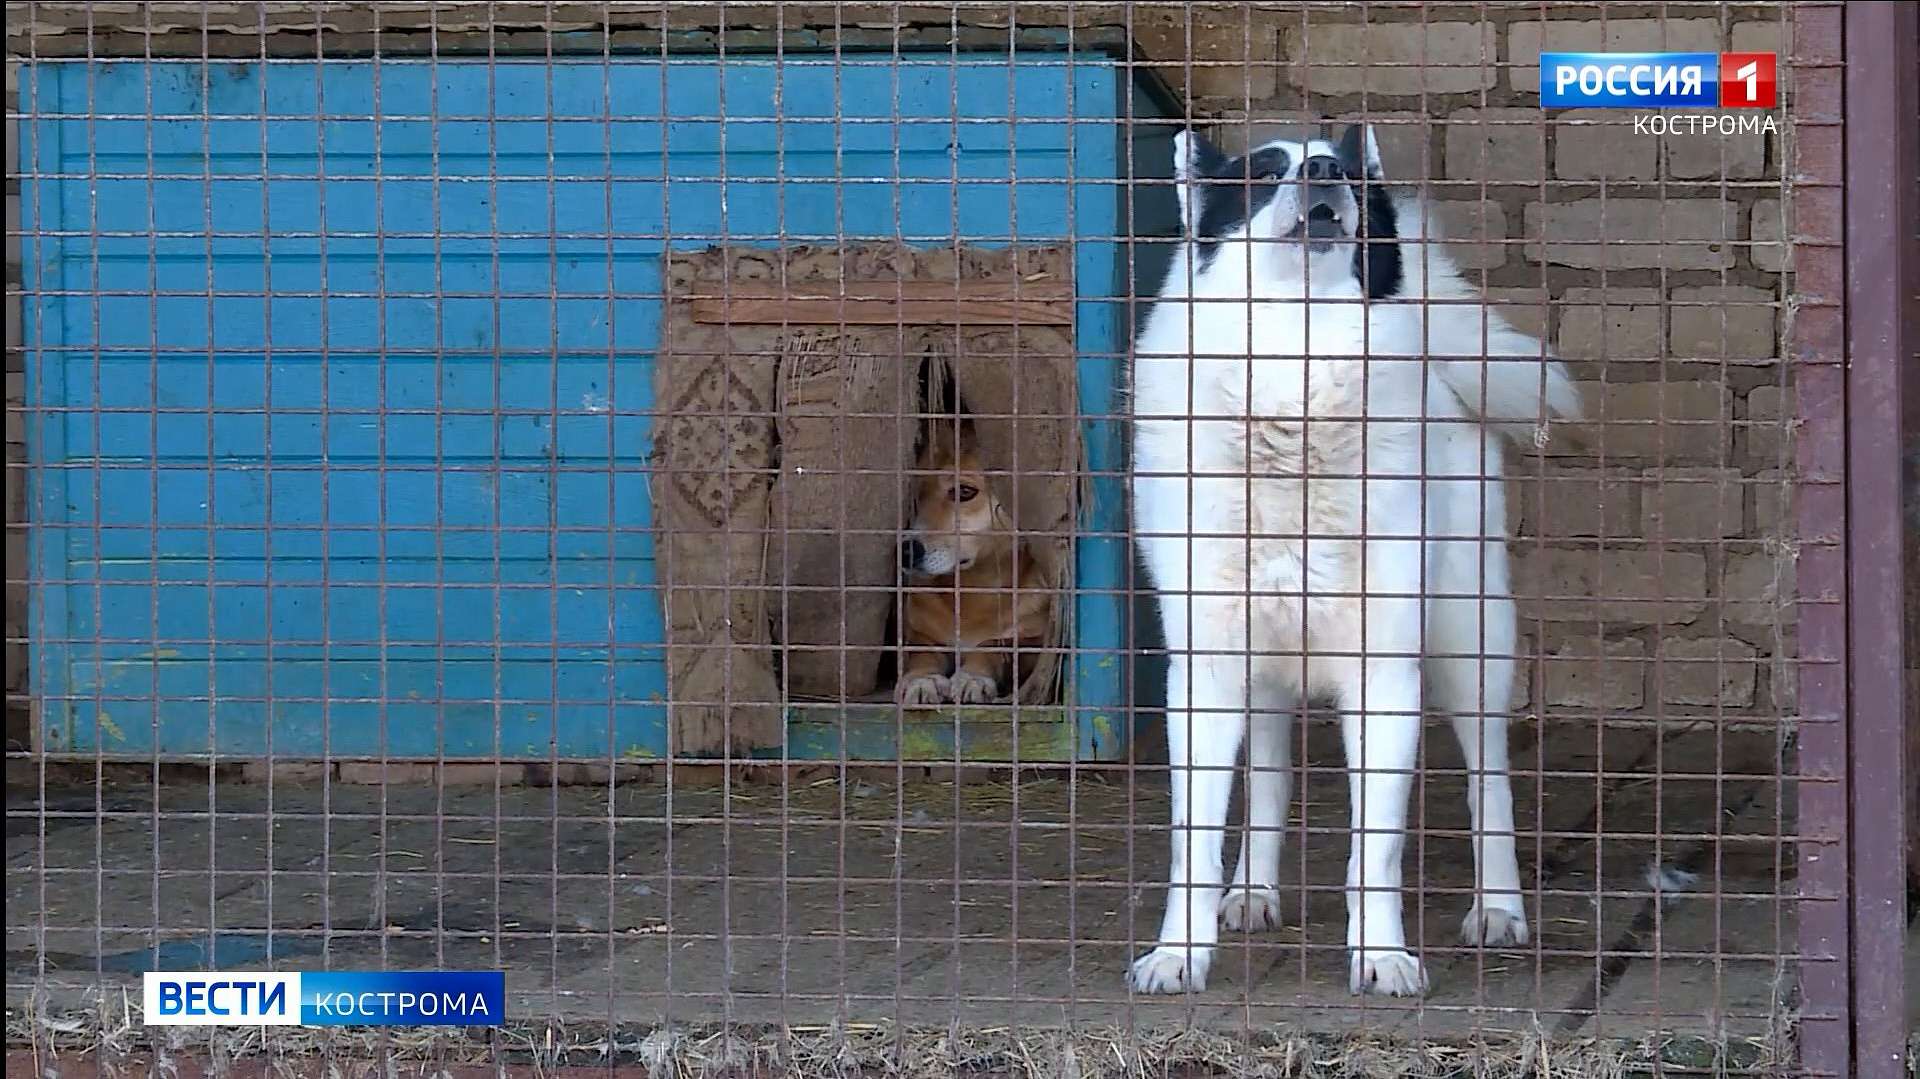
[[463, 774], [1046, 14], [1523, 308], [1401, 136], [1665, 421], [1691, 504], [1497, 145], [1597, 674], [1741, 155], [1523, 676], [1433, 58], [1773, 503], [1735, 323], [1634, 587], [1758, 588], [1603, 149], [285, 771], [1476, 232], [1769, 423], [1567, 503], [394, 773], [1611, 324], [422, 773], [1232, 56], [1768, 36], [1770, 249], [1711, 670], [1630, 233], [583, 775], [1784, 678], [1526, 41]]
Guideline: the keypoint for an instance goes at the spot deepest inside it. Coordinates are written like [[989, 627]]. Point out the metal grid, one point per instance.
[[462, 263]]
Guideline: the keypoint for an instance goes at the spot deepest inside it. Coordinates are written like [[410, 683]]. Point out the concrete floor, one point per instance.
[[985, 903]]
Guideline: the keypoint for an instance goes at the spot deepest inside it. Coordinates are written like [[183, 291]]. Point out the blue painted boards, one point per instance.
[[339, 424]]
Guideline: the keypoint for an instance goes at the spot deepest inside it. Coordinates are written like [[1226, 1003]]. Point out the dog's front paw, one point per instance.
[[1252, 910], [1386, 973], [967, 687], [1169, 969], [1493, 927], [924, 691]]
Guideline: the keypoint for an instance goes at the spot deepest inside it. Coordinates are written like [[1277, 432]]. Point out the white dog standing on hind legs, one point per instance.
[[1318, 501]]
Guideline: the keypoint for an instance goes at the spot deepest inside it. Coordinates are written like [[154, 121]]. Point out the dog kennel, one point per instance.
[[342, 426], [393, 353]]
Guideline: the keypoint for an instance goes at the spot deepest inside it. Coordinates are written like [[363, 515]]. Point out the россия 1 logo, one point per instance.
[[1655, 80]]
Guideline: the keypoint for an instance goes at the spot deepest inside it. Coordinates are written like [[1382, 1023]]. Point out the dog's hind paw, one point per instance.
[[1170, 969], [1493, 927], [1387, 974], [967, 687], [1251, 910], [923, 692]]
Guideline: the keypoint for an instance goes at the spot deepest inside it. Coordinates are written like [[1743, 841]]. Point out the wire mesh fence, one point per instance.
[[784, 528]]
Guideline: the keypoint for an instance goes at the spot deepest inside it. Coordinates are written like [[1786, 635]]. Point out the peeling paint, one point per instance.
[[105, 723]]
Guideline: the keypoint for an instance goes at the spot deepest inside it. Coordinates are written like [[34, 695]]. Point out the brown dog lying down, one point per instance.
[[973, 587]]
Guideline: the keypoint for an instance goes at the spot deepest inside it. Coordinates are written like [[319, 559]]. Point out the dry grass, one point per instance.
[[111, 1031]]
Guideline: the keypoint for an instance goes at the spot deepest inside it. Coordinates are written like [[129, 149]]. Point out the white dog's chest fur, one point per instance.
[[1274, 444]]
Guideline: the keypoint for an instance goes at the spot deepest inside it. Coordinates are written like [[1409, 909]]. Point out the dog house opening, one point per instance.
[[880, 401], [981, 617]]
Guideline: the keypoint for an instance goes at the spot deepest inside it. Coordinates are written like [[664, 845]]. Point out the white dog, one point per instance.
[[1319, 505]]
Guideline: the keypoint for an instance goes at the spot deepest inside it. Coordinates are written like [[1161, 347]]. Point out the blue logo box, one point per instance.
[[1626, 80], [336, 998], [402, 998]]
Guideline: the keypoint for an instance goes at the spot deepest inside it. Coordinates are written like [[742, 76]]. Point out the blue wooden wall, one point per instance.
[[339, 423]]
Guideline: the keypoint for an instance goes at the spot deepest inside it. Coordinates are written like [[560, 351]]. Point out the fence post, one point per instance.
[[1881, 160]]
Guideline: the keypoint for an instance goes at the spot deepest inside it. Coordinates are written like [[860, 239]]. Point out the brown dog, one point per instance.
[[973, 587]]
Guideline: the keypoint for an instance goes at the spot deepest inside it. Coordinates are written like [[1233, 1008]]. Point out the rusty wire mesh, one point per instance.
[[342, 579]]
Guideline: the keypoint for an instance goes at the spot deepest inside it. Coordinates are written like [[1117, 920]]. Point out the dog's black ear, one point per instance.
[[1359, 155], [1194, 159]]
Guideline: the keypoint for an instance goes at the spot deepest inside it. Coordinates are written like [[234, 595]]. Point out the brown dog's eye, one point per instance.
[[966, 492]]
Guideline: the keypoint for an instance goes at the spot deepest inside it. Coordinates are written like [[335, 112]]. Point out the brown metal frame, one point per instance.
[[1881, 147], [1855, 273]]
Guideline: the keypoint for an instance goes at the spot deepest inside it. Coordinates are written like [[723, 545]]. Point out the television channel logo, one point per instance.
[[1659, 80], [325, 998]]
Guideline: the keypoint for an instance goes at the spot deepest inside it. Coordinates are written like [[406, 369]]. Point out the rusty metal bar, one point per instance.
[[1824, 1036], [1881, 146]]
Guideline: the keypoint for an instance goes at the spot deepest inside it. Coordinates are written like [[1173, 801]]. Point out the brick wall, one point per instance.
[[1657, 560]]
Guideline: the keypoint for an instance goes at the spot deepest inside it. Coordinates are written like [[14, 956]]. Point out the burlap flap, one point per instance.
[[712, 490], [801, 441], [847, 397]]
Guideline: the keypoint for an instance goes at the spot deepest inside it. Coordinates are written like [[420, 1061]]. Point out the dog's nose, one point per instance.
[[1322, 168], [911, 552]]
